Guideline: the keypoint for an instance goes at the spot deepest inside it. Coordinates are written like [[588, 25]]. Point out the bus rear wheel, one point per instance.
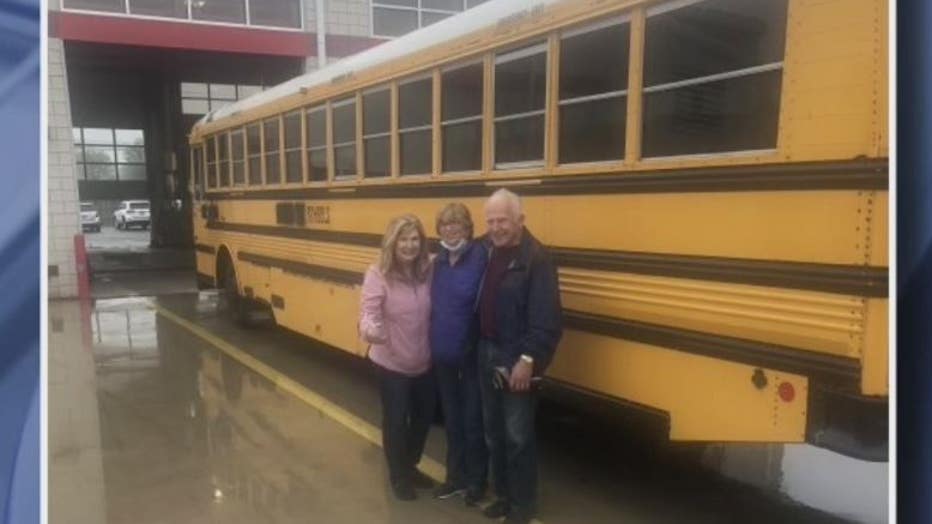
[[235, 305]]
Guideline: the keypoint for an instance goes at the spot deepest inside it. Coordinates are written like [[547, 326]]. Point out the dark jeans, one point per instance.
[[509, 434], [467, 458], [408, 405]]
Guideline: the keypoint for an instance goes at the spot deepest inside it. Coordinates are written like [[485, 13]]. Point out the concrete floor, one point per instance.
[[152, 420]]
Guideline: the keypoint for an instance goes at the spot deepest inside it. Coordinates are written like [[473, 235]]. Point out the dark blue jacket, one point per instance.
[[528, 312], [453, 292]]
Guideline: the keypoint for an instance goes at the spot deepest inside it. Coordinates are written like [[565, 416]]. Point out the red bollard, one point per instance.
[[80, 262]]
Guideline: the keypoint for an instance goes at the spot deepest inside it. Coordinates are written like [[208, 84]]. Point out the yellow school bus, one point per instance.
[[711, 176]]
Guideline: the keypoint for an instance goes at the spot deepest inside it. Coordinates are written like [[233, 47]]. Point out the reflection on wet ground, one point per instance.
[[150, 423]]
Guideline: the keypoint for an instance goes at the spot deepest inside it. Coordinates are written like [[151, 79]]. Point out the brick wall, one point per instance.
[[63, 215]]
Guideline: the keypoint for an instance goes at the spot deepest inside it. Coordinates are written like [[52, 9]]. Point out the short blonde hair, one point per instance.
[[388, 264], [455, 213]]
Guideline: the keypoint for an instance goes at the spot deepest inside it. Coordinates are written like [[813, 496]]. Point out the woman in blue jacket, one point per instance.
[[458, 271]]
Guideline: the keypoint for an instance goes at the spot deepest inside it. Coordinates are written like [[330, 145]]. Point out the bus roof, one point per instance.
[[472, 20]]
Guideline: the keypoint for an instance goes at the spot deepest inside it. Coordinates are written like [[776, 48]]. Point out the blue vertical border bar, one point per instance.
[[914, 261], [20, 261]]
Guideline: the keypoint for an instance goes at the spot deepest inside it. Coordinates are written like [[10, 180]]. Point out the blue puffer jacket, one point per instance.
[[453, 292]]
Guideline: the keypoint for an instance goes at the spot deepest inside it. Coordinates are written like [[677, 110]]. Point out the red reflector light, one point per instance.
[[786, 391]]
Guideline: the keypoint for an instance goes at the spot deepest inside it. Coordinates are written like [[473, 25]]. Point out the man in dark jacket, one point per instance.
[[520, 324]]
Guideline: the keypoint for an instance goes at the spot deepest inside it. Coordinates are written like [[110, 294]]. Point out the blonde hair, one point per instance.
[[455, 213], [388, 264]]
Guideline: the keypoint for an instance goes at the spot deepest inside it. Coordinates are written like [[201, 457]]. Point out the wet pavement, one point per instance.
[[152, 420]]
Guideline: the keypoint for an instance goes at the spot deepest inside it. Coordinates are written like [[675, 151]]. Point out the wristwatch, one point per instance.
[[528, 358]]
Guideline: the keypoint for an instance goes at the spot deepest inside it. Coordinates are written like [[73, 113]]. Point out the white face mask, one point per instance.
[[454, 248]]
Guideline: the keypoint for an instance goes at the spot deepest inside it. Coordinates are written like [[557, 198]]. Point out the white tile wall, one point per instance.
[[63, 217]]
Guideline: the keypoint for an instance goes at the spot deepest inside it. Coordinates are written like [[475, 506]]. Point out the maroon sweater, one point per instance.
[[494, 273]]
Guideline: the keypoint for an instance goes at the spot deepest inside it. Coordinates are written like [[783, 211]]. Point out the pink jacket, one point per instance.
[[400, 312]]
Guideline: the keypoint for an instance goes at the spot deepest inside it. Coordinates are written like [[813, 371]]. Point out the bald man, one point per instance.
[[520, 324]]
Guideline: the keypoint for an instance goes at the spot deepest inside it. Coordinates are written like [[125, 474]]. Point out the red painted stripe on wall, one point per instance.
[[178, 35], [82, 27]]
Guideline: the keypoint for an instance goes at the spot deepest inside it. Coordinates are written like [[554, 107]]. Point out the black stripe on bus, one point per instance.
[[829, 278], [204, 248], [864, 281], [828, 369], [811, 176], [340, 276]]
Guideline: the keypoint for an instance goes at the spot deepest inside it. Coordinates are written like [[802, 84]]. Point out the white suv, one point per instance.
[[132, 213], [90, 220]]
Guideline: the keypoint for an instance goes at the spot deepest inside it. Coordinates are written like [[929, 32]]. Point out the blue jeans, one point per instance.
[[407, 410], [467, 457], [510, 436]]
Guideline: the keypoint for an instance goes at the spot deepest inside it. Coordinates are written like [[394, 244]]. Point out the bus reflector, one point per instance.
[[786, 391]]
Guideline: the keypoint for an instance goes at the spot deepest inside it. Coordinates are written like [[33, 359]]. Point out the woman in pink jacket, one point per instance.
[[394, 319]]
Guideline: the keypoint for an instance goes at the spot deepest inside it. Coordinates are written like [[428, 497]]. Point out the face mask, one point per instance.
[[454, 248]]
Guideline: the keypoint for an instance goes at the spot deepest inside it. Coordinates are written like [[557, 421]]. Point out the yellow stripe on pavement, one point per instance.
[[364, 429]]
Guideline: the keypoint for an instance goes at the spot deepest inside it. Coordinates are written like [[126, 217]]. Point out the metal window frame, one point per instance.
[[419, 9], [190, 16], [717, 77]]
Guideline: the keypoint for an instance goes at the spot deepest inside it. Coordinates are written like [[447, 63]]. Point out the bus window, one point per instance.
[[254, 152], [316, 121], [212, 161], [712, 75], [293, 171], [273, 174], [344, 137], [461, 118], [376, 129], [415, 105], [224, 149], [520, 98], [238, 157], [593, 93], [197, 171]]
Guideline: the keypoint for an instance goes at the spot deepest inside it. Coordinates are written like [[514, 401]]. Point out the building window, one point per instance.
[[254, 154], [165, 8], [110, 154], [593, 93], [344, 137], [392, 18], [316, 122], [461, 118], [376, 129], [264, 13], [712, 76], [273, 171], [200, 98], [293, 147], [275, 13], [238, 150], [520, 106], [415, 110]]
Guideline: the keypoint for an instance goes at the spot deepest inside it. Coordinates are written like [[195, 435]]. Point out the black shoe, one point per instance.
[[474, 496], [497, 509], [421, 481], [447, 490], [403, 491]]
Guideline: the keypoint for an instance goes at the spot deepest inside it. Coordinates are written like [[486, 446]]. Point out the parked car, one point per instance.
[[90, 220], [132, 213]]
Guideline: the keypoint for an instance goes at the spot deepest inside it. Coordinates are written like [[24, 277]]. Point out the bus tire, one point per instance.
[[237, 306]]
